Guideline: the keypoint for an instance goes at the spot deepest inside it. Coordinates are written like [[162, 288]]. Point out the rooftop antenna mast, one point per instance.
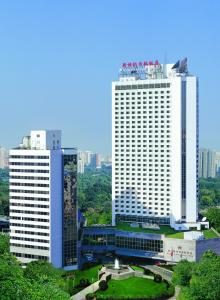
[[165, 64]]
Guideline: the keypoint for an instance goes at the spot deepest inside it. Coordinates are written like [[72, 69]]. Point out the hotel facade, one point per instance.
[[155, 144]]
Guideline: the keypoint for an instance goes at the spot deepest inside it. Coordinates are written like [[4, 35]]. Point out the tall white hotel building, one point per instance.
[[155, 144], [43, 206]]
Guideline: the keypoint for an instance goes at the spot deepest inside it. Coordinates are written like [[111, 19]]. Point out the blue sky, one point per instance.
[[58, 58]]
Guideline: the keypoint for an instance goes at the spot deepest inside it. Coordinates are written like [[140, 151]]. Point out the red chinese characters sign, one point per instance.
[[140, 64]]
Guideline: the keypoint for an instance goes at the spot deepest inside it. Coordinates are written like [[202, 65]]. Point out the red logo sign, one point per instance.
[[140, 64]]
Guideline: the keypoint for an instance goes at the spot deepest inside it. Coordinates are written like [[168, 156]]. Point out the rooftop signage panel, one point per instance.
[[141, 69], [140, 64]]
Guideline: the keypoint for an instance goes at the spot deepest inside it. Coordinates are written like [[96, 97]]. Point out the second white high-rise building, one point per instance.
[[43, 203], [155, 144]]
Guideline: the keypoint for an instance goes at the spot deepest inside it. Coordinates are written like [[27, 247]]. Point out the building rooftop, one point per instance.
[[152, 70], [164, 229]]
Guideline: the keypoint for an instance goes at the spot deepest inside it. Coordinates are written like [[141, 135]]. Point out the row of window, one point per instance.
[[32, 232], [159, 157], [138, 159], [30, 156], [144, 207], [29, 246], [13, 163], [141, 212], [29, 239], [29, 205], [142, 219], [29, 198], [29, 219], [140, 202], [122, 191], [142, 92], [138, 197], [29, 184], [28, 225], [123, 242], [142, 121], [43, 213], [139, 110], [144, 117], [28, 171], [145, 97], [29, 192], [29, 177], [142, 86], [41, 257]]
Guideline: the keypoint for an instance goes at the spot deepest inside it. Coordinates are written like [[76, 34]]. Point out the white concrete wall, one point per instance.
[[45, 139], [26, 208], [191, 149], [176, 150], [144, 147], [178, 249]]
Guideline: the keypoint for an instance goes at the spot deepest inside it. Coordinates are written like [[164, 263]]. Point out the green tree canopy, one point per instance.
[[203, 281], [182, 273]]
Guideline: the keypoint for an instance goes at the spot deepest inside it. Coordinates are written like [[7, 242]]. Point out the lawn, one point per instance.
[[91, 274], [209, 234], [176, 235], [132, 288], [167, 230], [137, 268]]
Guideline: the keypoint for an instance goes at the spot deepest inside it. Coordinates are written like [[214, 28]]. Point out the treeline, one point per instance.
[[94, 196], [209, 192], [199, 281], [4, 193], [39, 280], [213, 215]]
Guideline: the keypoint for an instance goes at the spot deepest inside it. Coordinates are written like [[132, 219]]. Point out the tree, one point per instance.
[[4, 243], [42, 271], [204, 280], [213, 215], [94, 194], [182, 273]]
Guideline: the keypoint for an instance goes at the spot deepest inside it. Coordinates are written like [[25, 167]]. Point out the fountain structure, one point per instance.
[[117, 264], [117, 271]]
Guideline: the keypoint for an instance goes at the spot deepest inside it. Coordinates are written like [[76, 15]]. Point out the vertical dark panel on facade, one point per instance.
[[197, 142], [69, 210], [183, 147]]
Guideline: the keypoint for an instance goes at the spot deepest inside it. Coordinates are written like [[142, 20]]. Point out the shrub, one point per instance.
[[182, 273], [148, 272], [157, 278], [170, 290], [108, 277], [166, 282], [90, 296], [103, 285], [100, 274], [84, 282], [88, 265]]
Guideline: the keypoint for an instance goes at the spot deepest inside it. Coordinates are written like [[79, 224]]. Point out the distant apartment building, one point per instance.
[[209, 163], [155, 144], [43, 201], [80, 166], [87, 157], [218, 164], [95, 161], [3, 158]]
